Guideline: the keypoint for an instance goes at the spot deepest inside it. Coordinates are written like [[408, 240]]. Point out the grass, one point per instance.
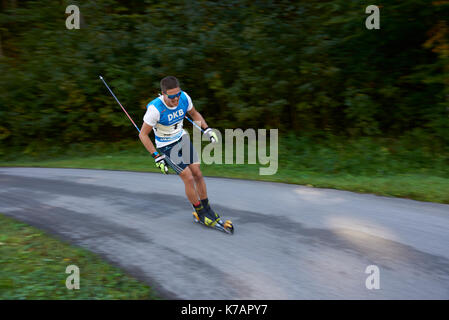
[[33, 266], [383, 167]]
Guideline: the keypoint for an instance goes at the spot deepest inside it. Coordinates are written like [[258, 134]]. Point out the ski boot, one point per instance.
[[227, 225], [206, 216]]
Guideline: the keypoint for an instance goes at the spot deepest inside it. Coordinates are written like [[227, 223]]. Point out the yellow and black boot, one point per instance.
[[211, 214], [202, 215]]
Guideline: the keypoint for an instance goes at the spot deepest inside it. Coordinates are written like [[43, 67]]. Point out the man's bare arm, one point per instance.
[[197, 117], [143, 136]]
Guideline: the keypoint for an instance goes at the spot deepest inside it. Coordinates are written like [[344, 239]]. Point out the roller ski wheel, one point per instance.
[[226, 227]]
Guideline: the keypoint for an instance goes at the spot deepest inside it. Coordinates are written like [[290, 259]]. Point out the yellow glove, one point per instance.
[[160, 162]]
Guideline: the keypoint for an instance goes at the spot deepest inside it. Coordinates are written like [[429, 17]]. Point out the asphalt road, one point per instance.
[[291, 242]]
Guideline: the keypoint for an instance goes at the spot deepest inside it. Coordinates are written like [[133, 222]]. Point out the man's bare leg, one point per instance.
[[202, 191], [199, 180], [189, 182]]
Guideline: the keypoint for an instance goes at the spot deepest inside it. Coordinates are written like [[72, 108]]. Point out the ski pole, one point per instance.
[[195, 124], [212, 138], [119, 102]]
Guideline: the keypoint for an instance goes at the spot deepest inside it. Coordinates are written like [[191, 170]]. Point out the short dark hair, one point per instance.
[[168, 83]]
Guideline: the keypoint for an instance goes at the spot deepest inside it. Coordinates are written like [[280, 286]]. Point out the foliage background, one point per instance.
[[309, 68]]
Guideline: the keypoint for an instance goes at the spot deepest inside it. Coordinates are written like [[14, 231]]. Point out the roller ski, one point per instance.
[[206, 216]]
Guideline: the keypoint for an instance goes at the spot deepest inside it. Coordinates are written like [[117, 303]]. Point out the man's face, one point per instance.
[[172, 102]]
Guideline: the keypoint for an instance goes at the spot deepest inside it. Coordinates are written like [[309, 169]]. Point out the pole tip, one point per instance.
[[101, 77]]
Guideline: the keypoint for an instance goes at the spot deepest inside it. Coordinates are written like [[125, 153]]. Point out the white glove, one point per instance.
[[211, 134]]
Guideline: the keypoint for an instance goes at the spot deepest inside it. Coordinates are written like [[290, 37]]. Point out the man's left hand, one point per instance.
[[211, 134]]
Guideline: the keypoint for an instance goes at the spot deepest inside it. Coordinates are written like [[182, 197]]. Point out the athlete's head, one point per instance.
[[171, 91]]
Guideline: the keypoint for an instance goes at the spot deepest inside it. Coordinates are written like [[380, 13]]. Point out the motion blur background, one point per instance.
[[346, 100]]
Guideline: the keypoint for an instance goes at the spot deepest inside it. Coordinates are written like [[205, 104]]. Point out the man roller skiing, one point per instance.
[[165, 116]]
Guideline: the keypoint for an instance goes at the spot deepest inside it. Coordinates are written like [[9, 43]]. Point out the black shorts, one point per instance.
[[180, 154]]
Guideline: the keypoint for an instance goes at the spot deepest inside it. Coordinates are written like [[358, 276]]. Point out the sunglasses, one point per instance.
[[172, 96]]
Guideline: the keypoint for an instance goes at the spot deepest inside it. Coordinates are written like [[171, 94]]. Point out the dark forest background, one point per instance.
[[305, 67]]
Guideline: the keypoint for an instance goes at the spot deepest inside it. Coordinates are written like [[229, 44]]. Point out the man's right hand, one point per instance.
[[161, 163]]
